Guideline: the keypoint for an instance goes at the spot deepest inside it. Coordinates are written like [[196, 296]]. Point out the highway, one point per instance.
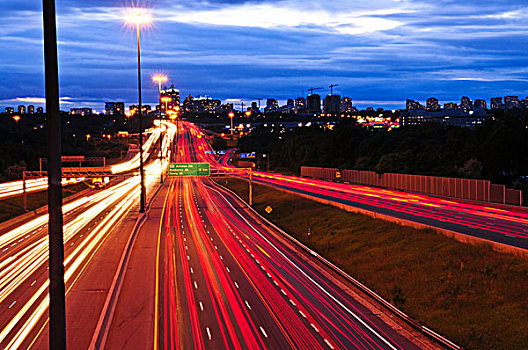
[[499, 223], [89, 222], [226, 279]]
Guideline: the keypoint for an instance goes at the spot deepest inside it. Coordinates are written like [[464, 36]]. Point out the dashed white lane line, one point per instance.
[[208, 333], [283, 292], [328, 343], [314, 327], [32, 284], [247, 304], [263, 332], [195, 285], [188, 257], [12, 304], [192, 271], [221, 257], [227, 268], [236, 285], [201, 306], [291, 302], [302, 314]]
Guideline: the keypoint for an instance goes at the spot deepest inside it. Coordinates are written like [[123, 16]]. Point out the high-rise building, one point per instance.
[[480, 104], [272, 106], [412, 104], [254, 107], [511, 102], [332, 104], [290, 106], [81, 111], [313, 104], [21, 109], [200, 104], [450, 105], [465, 103], [31, 109], [115, 108], [40, 110], [432, 104], [346, 105], [300, 105], [173, 102], [496, 103], [9, 110]]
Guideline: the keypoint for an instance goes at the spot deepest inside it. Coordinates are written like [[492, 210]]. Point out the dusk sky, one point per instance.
[[380, 52]]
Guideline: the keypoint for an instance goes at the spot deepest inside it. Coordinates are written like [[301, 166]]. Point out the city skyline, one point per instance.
[[380, 54]]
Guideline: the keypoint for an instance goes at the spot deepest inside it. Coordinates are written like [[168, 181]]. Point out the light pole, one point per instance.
[[138, 17], [160, 79], [231, 116]]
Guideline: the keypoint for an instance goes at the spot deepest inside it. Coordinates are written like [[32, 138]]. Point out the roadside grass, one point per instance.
[[13, 207], [474, 296]]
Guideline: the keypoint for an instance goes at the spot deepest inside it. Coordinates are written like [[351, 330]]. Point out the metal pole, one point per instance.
[[161, 154], [142, 194], [24, 190], [250, 188], [57, 309]]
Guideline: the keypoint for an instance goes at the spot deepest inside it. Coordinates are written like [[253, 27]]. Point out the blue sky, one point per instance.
[[380, 52]]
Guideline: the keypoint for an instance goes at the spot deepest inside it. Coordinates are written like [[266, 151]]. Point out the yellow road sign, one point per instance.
[[268, 209]]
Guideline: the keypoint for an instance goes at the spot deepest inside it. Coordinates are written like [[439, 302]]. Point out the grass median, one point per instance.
[[13, 207], [473, 295]]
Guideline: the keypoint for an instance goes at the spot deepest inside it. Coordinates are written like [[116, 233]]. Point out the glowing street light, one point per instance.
[[231, 116], [16, 118], [139, 17], [160, 79]]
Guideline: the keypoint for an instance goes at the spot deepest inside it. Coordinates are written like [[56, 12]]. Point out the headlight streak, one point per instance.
[[17, 268]]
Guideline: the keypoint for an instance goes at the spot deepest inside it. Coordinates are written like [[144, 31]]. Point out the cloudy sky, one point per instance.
[[380, 52]]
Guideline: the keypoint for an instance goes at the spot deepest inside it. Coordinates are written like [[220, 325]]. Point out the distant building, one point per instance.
[[226, 107], [466, 104], [40, 110], [432, 104], [511, 102], [81, 111], [31, 109], [313, 104], [412, 104], [480, 104], [450, 105], [346, 105], [9, 110], [290, 106], [200, 104], [22, 109], [174, 95], [254, 107], [370, 109], [132, 109], [496, 103], [115, 108], [332, 104], [455, 117], [272, 106], [300, 105]]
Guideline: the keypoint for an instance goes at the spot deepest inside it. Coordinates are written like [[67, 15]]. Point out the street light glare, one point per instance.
[[159, 78], [138, 16]]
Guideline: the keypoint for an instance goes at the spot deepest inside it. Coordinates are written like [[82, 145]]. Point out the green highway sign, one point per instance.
[[189, 169]]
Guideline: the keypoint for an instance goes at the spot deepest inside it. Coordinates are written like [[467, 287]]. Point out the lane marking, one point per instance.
[[247, 304], [12, 304], [328, 343], [201, 306], [236, 285], [195, 285], [208, 333], [263, 332]]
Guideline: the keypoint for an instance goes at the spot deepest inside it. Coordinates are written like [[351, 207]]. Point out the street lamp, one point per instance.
[[231, 116], [160, 79], [138, 17]]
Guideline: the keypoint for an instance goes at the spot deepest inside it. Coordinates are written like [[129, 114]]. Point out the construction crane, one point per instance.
[[313, 89], [331, 86]]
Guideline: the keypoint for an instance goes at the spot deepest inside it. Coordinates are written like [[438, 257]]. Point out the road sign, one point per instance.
[[268, 209], [210, 152], [247, 155], [189, 169]]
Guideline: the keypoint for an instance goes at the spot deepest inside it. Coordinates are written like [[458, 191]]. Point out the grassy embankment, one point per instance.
[[474, 296], [13, 207]]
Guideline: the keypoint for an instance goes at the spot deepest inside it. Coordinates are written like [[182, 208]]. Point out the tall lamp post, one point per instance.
[[160, 79], [231, 116], [139, 17]]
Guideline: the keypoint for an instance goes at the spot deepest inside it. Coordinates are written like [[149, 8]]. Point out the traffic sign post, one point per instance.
[[189, 169]]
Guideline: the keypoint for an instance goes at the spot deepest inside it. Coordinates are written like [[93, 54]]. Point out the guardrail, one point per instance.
[[472, 189]]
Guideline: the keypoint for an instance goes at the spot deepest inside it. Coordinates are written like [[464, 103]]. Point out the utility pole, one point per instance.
[[57, 308], [250, 188]]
